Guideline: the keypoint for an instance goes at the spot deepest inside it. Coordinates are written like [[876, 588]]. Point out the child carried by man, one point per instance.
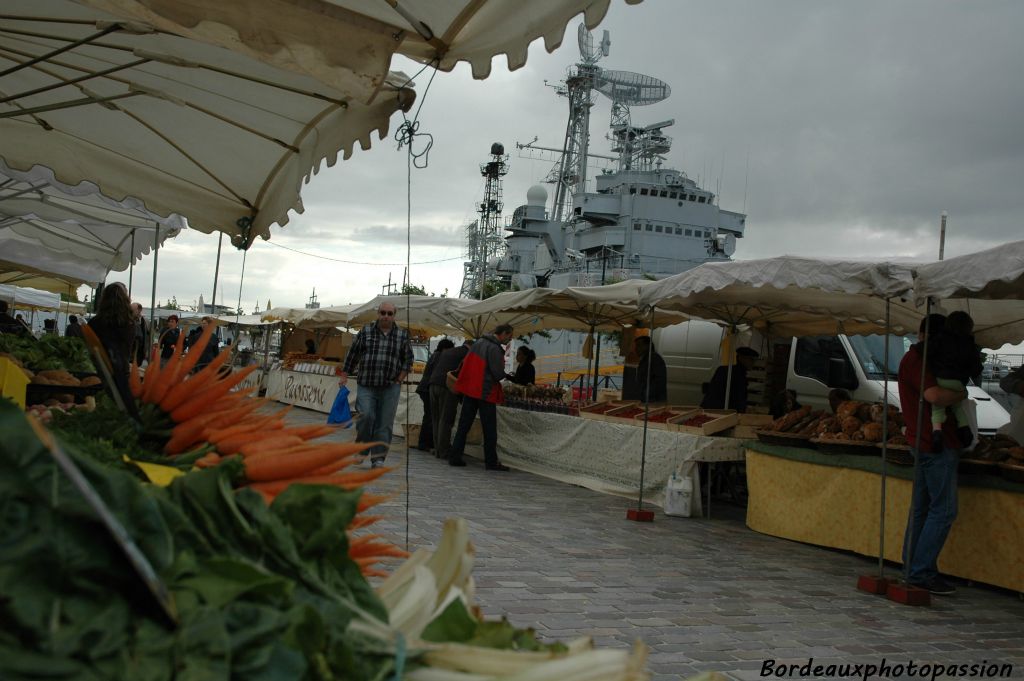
[[954, 359]]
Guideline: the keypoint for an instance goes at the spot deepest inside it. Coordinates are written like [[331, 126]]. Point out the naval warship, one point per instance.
[[636, 218]]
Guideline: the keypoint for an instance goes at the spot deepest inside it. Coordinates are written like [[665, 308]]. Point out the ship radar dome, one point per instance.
[[536, 195]]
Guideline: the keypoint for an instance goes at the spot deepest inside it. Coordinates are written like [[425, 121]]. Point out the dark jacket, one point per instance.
[[73, 329], [954, 356], [116, 340], [141, 340], [167, 341], [525, 374], [659, 378], [423, 388], [714, 398], [448, 361], [211, 349], [482, 371]]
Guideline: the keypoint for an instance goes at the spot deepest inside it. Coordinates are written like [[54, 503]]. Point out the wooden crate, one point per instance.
[[748, 425], [624, 413], [674, 412], [588, 413], [724, 419]]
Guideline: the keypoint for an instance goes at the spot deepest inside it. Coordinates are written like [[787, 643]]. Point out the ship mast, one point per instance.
[[578, 88]]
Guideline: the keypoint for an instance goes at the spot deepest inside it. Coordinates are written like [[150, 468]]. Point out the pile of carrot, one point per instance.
[[205, 409]]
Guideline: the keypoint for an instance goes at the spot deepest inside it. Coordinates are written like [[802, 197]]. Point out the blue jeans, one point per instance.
[[489, 424], [377, 407], [933, 510]]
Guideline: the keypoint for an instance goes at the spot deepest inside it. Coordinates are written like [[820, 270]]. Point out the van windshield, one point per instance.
[[870, 351]]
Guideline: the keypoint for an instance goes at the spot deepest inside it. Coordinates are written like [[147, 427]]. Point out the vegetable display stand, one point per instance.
[[706, 422]]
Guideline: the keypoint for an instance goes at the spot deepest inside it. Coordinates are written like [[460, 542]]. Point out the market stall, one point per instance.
[[601, 455], [832, 500]]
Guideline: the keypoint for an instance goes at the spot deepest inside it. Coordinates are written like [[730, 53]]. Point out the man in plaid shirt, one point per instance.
[[383, 356]]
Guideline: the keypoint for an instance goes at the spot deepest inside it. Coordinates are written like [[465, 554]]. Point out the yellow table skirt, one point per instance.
[[839, 508]]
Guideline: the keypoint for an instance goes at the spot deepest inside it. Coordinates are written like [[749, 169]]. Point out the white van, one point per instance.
[[811, 365], [857, 364]]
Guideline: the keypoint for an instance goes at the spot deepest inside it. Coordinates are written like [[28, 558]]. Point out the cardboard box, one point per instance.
[[13, 381]]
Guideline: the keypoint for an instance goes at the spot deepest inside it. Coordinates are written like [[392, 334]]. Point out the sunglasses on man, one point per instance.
[[387, 313]]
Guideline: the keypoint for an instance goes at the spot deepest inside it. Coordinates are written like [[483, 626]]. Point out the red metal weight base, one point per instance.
[[908, 595], [639, 515], [873, 584]]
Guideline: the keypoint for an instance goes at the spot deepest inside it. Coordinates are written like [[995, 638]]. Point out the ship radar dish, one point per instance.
[[536, 195], [632, 89], [589, 51]]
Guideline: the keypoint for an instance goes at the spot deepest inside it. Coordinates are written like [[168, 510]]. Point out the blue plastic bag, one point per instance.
[[340, 411]]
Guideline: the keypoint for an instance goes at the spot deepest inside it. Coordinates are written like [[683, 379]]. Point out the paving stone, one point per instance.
[[705, 595]]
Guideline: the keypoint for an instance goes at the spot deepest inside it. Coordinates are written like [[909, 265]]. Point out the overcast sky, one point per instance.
[[841, 128]]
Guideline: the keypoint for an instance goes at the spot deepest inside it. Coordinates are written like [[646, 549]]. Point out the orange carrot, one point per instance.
[[312, 432], [347, 481], [151, 377], [379, 549], [361, 521], [269, 444], [209, 460], [196, 429], [265, 468], [334, 467], [197, 383], [367, 500], [209, 396], [169, 375], [339, 448]]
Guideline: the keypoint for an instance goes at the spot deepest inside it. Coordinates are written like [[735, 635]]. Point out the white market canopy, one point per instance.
[[349, 44], [422, 315], [793, 296], [220, 109], [179, 124], [307, 318], [46, 227], [988, 285], [600, 308], [29, 298]]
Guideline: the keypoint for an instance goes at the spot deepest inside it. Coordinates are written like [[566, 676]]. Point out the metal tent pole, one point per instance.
[[156, 262], [885, 442], [216, 273], [131, 265], [639, 513]]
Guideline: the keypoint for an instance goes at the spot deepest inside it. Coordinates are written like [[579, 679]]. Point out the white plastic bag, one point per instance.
[[970, 408], [678, 496]]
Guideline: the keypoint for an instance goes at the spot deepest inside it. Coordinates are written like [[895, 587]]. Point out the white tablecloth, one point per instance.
[[604, 456]]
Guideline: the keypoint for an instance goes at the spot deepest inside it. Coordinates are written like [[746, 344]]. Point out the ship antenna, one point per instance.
[[746, 176]]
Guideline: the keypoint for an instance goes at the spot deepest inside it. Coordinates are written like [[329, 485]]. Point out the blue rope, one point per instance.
[[399, 657]]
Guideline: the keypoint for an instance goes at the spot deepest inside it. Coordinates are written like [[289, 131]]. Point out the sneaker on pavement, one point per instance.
[[376, 463], [938, 586], [457, 462], [497, 467]]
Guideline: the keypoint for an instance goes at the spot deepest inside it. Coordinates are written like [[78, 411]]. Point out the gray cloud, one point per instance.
[[842, 128]]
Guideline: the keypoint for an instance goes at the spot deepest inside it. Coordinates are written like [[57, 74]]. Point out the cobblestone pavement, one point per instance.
[[703, 595]]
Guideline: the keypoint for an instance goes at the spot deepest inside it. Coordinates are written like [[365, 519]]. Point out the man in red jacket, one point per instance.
[[480, 385]]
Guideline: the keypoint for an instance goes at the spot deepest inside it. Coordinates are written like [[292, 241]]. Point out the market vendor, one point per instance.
[[934, 496], [9, 324], [656, 377], [714, 398]]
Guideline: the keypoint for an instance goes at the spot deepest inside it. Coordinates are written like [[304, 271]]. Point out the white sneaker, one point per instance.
[[376, 463]]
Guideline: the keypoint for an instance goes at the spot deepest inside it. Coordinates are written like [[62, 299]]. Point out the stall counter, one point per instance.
[[834, 501]]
